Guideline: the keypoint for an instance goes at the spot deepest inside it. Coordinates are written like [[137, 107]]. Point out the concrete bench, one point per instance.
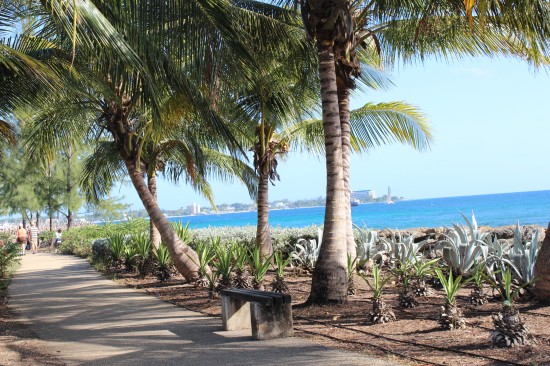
[[269, 314]]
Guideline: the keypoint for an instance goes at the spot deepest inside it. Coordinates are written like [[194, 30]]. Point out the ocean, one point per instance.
[[490, 209]]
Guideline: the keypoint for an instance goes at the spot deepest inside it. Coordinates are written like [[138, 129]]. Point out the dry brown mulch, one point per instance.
[[19, 346], [414, 339]]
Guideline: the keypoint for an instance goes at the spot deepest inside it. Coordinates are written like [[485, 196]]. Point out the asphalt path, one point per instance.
[[86, 319]]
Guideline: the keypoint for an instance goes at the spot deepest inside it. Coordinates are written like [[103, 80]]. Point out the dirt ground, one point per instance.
[[414, 339]]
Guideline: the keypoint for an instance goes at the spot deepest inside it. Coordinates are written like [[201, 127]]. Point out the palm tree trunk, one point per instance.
[[50, 215], [154, 234], [69, 187], [185, 259], [343, 105], [542, 270], [263, 233], [329, 283], [38, 220]]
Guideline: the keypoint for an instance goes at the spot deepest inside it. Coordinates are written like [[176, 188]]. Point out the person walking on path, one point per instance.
[[33, 235], [57, 241], [22, 238]]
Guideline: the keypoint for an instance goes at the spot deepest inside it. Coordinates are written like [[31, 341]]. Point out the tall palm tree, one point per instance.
[[409, 30], [146, 53]]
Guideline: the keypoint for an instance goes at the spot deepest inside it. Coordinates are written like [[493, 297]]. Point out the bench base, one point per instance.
[[267, 322]]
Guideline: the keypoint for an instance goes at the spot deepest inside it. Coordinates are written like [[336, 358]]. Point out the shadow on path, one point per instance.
[[88, 320]]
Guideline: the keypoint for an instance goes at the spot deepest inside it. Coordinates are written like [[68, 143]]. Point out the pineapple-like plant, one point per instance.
[[223, 262], [279, 285], [205, 253], [352, 263], [129, 257], [142, 246], [258, 267], [450, 316], [212, 283], [164, 263], [117, 247], [404, 274], [381, 313], [477, 295], [510, 330], [240, 254], [422, 271]]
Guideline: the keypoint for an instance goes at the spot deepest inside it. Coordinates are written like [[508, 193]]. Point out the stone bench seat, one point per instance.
[[268, 314]]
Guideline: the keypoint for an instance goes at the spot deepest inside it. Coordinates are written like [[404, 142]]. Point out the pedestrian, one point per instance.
[[33, 235], [57, 241], [22, 238]]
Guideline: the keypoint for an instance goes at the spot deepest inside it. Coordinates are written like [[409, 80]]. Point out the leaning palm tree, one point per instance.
[[143, 57]]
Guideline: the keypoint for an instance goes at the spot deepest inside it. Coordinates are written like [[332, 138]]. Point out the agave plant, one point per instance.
[[381, 313], [404, 249], [510, 330], [450, 316], [463, 250], [164, 263], [206, 254], [306, 252], [524, 257], [118, 248], [279, 285], [240, 254], [142, 246], [370, 248], [258, 267], [223, 261]]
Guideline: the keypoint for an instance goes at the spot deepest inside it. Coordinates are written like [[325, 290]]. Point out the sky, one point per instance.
[[492, 135]]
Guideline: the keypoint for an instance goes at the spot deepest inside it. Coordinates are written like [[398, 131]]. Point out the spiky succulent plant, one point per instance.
[[450, 316], [381, 313], [279, 285]]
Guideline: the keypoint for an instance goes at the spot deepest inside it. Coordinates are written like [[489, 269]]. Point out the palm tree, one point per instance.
[[146, 54], [404, 29]]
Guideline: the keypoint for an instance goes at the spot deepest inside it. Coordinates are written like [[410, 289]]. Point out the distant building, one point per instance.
[[364, 195], [194, 209]]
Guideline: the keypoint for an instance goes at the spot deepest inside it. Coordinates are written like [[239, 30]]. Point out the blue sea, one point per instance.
[[490, 209]]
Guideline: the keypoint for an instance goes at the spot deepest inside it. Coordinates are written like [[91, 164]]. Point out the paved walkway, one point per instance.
[[88, 320]]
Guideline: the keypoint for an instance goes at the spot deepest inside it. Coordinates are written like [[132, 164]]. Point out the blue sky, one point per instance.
[[492, 135]]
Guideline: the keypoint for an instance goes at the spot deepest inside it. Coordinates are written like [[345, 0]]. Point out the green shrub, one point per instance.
[[283, 238], [46, 237], [101, 252], [5, 237], [9, 255]]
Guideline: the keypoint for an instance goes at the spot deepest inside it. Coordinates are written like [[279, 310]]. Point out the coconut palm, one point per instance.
[[147, 53], [395, 30]]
